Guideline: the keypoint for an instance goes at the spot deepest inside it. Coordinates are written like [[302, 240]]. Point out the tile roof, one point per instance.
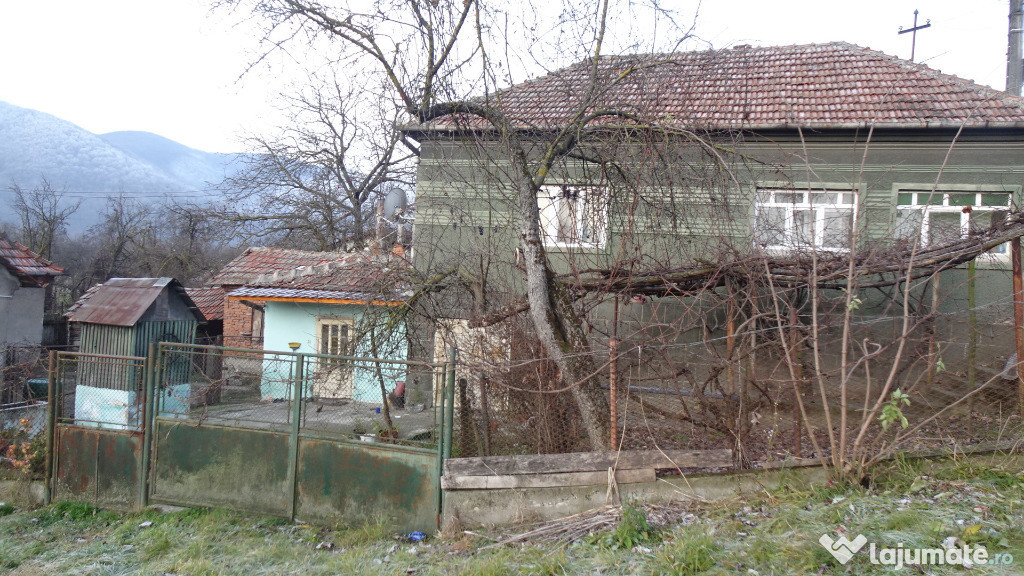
[[835, 85], [209, 300], [122, 301], [26, 265], [256, 261], [360, 276]]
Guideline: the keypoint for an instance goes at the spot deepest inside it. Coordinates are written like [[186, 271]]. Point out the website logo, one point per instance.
[[842, 548]]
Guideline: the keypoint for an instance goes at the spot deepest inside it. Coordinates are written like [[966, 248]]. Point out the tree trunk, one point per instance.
[[558, 326]]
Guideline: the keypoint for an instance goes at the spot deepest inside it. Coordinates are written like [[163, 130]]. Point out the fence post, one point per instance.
[[293, 446], [147, 424], [51, 427], [449, 409], [440, 380]]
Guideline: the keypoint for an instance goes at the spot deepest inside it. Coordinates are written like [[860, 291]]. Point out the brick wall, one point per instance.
[[239, 331]]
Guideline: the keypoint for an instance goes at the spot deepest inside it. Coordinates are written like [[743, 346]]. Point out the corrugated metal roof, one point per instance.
[[26, 265], [122, 301], [835, 85]]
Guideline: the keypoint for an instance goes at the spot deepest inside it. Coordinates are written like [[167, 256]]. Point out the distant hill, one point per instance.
[[91, 167]]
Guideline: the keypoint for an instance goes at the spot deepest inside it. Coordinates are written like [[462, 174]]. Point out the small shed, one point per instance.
[[121, 317]]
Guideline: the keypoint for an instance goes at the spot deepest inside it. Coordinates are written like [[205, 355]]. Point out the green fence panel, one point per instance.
[[97, 465], [210, 465], [355, 481]]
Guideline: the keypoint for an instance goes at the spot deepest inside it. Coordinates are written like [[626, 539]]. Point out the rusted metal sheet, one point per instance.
[[123, 301], [97, 465], [353, 482], [212, 465]]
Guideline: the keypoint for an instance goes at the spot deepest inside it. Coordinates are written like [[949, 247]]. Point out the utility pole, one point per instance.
[[913, 37], [1014, 53]]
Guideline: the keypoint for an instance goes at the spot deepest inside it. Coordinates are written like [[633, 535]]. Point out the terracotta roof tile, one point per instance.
[[355, 275], [25, 264], [816, 86], [256, 261], [209, 300]]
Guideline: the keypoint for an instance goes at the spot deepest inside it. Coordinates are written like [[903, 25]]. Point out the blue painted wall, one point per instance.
[[286, 322]]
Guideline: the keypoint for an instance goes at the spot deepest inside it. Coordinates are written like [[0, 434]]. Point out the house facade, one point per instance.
[[714, 156], [24, 276], [346, 304]]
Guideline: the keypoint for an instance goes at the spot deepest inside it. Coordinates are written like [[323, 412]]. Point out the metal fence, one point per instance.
[[708, 389], [301, 436], [98, 390], [372, 399]]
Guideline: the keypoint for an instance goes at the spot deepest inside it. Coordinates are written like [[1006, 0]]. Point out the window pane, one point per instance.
[[824, 197], [566, 218], [995, 199], [943, 227], [592, 225], [982, 220], [908, 224], [763, 196], [803, 224], [905, 198], [838, 224], [789, 197], [770, 228], [962, 199], [930, 198], [325, 339]]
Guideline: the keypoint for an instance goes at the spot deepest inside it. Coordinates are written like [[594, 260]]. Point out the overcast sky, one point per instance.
[[172, 68]]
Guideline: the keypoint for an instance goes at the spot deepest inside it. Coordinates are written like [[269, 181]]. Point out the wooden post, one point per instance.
[[730, 342], [613, 376], [794, 352], [972, 334], [933, 349], [1018, 317]]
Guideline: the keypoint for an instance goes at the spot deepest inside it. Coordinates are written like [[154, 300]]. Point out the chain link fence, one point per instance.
[[743, 390], [98, 390], [373, 400]]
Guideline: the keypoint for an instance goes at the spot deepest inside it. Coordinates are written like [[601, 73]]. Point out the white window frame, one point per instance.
[[334, 378], [552, 199], [772, 198], [926, 202]]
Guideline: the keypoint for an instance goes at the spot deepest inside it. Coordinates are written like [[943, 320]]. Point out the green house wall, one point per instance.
[[464, 202]]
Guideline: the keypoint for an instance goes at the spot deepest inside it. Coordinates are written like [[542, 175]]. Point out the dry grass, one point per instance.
[[979, 501]]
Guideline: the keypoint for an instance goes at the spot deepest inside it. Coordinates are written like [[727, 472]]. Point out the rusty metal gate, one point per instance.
[[309, 436], [94, 433]]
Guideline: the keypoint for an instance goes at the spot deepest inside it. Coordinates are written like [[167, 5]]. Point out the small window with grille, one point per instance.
[[573, 215]]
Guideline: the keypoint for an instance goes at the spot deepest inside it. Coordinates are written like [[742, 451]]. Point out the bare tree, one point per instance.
[[432, 57], [315, 185], [42, 216]]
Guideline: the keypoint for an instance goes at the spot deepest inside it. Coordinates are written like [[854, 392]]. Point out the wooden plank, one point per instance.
[[587, 462], [510, 481]]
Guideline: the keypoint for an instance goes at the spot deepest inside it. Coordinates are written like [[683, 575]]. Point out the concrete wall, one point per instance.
[[21, 313], [287, 322]]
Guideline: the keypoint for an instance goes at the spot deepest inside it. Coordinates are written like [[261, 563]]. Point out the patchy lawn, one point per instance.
[[980, 502]]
